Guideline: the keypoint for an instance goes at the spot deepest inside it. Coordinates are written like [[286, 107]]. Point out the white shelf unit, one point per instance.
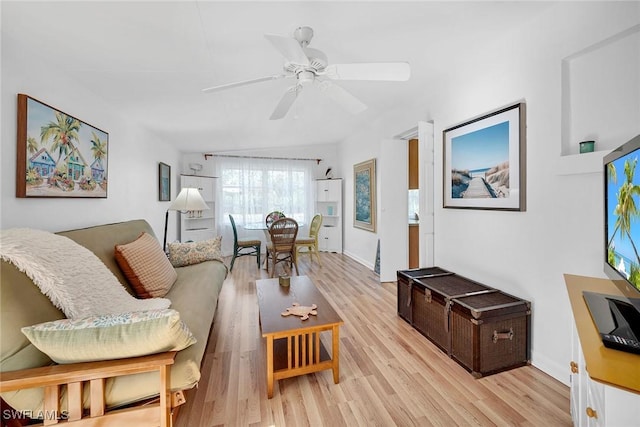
[[197, 226], [329, 204]]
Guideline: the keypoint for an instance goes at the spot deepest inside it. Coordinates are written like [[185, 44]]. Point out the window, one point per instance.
[[251, 188]]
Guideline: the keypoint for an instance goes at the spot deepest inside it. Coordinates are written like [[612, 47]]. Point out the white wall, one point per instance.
[[522, 253], [357, 243], [134, 154]]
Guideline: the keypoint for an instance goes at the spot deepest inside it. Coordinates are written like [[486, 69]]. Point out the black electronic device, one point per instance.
[[617, 319]]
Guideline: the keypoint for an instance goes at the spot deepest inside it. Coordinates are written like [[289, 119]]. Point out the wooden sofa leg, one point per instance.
[[178, 399]]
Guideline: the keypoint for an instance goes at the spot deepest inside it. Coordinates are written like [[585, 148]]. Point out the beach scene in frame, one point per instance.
[[483, 163], [58, 154]]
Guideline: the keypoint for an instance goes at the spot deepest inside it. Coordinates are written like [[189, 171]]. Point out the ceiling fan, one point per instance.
[[310, 66]]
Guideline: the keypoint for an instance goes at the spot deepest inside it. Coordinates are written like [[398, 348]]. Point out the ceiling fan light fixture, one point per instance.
[[305, 78]]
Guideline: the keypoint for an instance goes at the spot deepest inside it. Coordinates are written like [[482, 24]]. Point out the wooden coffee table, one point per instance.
[[293, 345]]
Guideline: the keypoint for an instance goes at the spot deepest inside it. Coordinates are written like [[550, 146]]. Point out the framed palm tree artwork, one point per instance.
[[58, 154]]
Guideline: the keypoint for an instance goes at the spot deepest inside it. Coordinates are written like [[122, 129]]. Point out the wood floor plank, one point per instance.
[[389, 373]]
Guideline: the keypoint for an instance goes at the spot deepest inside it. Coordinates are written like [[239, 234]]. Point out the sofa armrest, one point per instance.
[[73, 376]]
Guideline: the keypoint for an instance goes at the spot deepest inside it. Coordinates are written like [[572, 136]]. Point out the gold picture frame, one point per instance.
[[364, 195]]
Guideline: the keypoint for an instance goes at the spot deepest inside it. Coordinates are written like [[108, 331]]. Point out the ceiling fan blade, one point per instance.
[[386, 71], [289, 48], [244, 82], [285, 103], [347, 101]]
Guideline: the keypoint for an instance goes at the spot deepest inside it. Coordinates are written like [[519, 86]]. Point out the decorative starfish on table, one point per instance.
[[300, 310]]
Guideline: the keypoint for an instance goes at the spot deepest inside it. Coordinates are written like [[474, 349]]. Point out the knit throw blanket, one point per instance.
[[73, 277]]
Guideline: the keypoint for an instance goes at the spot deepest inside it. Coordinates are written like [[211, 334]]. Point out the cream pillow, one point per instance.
[[181, 254], [111, 336], [146, 267]]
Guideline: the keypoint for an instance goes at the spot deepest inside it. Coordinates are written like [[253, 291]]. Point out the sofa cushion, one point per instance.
[[146, 266], [111, 336], [182, 254]]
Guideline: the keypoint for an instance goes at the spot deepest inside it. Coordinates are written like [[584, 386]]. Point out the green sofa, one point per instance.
[[194, 295]]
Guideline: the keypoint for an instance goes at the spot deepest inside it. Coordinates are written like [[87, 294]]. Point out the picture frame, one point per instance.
[[484, 161], [364, 195], [59, 155], [164, 182]]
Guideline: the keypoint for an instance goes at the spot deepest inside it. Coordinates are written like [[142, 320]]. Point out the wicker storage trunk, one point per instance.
[[431, 302], [490, 332], [405, 282]]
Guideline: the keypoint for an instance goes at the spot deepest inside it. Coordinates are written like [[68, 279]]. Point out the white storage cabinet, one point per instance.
[[329, 204], [595, 404]]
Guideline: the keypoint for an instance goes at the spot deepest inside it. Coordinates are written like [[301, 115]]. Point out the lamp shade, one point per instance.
[[189, 199]]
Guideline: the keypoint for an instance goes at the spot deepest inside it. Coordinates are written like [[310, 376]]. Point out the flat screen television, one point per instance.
[[618, 318], [622, 214]]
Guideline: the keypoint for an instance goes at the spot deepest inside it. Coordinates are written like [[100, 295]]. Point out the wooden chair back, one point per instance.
[[283, 234], [272, 217], [314, 228], [235, 231]]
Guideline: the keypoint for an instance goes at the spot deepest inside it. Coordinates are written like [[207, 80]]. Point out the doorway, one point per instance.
[[413, 208], [420, 186]]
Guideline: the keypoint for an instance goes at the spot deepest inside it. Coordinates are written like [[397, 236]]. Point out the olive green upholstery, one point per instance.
[[194, 295]]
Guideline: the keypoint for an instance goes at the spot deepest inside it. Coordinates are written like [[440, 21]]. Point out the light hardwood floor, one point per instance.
[[389, 373]]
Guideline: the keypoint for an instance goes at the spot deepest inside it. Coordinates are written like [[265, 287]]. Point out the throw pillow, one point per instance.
[[181, 254], [112, 336], [146, 267]]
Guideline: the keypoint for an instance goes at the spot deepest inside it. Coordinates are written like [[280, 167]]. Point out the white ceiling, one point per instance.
[[151, 60]]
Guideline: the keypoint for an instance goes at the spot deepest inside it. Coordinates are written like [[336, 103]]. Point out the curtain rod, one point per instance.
[[206, 156]]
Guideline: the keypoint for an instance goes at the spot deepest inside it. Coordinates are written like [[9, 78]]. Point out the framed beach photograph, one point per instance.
[[484, 162], [164, 182], [364, 195], [58, 154]]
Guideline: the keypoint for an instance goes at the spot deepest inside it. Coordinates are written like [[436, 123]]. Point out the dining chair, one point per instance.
[[311, 242], [283, 234], [243, 247], [273, 216]]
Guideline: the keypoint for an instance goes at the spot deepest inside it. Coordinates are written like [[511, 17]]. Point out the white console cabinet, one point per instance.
[[197, 226], [329, 204], [596, 404], [605, 383]]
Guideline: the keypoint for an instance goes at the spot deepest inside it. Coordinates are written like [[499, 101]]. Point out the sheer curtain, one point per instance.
[[250, 188]]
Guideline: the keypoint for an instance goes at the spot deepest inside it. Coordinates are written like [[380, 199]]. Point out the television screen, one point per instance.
[[622, 213]]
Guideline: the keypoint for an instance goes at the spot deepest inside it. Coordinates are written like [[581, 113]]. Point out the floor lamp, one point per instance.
[[189, 199]]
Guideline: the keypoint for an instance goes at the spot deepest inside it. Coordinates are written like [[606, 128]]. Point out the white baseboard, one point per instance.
[[551, 367], [369, 265]]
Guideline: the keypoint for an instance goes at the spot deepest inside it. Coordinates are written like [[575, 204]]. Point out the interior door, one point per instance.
[[427, 190], [392, 182]]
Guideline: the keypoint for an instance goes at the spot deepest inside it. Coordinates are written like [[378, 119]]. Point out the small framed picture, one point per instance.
[[164, 182]]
